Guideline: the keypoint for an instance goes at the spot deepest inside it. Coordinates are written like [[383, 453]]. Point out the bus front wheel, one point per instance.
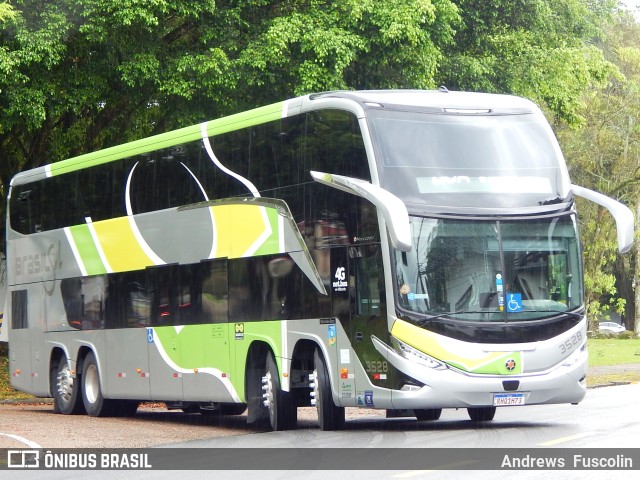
[[481, 414], [283, 414], [65, 389], [330, 416]]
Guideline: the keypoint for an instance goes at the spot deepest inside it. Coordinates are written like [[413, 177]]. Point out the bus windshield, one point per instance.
[[490, 270], [496, 161]]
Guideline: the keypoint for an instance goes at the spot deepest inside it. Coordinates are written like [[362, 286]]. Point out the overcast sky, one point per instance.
[[633, 6]]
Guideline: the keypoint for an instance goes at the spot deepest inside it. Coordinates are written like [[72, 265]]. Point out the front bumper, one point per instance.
[[447, 387]]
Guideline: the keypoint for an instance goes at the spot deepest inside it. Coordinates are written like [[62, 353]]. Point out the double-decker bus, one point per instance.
[[400, 250]]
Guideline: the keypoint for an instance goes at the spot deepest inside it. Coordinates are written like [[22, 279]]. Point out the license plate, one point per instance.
[[506, 399]]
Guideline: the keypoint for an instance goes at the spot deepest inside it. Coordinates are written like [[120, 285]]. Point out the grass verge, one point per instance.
[[613, 351], [602, 352], [613, 378]]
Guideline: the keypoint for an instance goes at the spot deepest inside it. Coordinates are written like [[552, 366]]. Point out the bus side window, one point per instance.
[[94, 292], [138, 301], [164, 284], [214, 302], [369, 278], [19, 317], [71, 289]]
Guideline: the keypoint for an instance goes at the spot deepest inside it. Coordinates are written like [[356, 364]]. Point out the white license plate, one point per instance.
[[506, 399]]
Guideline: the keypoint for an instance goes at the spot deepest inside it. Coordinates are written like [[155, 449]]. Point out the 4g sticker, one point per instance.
[[340, 283]]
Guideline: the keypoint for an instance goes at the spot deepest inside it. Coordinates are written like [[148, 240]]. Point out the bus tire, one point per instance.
[[427, 414], [65, 389], [283, 413], [481, 414], [94, 403], [330, 416]]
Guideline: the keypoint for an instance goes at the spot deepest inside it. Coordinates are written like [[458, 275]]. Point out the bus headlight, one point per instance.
[[416, 356]]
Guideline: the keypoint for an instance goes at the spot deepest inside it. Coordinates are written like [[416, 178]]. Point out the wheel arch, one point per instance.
[[255, 368], [56, 354], [303, 353], [302, 356], [83, 351], [59, 350]]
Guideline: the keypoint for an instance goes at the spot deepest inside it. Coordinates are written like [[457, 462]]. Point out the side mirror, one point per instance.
[[621, 213], [392, 208]]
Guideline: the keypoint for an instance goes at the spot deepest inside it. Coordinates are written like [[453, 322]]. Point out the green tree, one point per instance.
[[78, 76], [604, 154], [6, 11], [540, 49]]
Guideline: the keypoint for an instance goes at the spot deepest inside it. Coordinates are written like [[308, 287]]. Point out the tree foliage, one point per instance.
[[604, 154], [539, 49], [77, 76]]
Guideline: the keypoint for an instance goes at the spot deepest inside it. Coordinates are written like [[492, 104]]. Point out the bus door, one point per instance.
[[368, 318], [341, 360]]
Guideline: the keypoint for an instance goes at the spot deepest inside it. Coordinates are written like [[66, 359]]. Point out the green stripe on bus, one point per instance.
[[271, 245], [177, 137], [499, 366], [184, 347], [87, 249]]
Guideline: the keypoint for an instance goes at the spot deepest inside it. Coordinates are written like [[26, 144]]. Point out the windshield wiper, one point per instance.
[[576, 315], [447, 314]]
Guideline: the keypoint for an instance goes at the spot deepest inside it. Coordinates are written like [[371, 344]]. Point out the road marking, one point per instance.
[[414, 473], [28, 443], [566, 439]]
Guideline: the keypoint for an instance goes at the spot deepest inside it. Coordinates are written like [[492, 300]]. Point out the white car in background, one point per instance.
[[611, 327]]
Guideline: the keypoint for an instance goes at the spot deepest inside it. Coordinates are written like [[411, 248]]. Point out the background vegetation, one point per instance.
[[76, 76]]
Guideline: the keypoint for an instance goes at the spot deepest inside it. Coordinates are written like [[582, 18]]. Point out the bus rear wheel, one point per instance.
[[330, 416], [283, 413], [427, 414], [481, 414], [65, 389], [94, 403]]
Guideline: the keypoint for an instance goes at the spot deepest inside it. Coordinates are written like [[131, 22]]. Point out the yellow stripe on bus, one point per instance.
[[461, 354], [238, 228], [120, 245]]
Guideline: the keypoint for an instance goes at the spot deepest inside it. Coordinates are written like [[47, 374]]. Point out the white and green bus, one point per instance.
[[400, 250]]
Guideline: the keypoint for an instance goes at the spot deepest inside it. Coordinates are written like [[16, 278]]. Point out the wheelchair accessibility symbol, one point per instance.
[[514, 302]]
